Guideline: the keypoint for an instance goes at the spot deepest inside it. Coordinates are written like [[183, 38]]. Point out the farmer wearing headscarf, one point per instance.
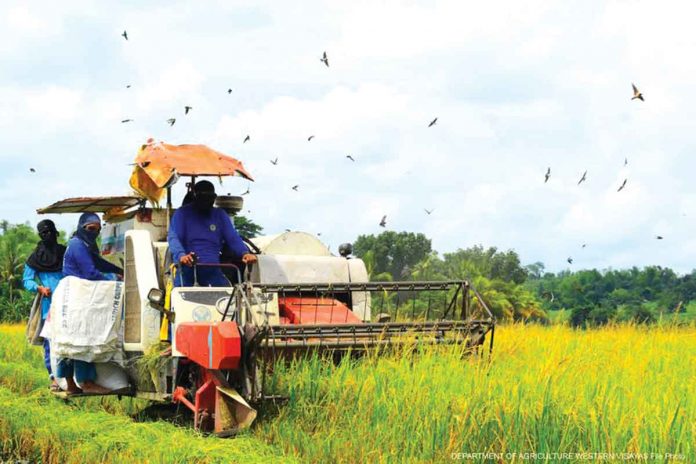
[[198, 232], [82, 260], [42, 272]]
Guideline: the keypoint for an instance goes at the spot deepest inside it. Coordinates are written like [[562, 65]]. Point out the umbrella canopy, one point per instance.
[[115, 207], [158, 165], [92, 204]]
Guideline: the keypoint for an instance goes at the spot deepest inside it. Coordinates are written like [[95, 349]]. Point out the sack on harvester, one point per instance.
[[86, 320]]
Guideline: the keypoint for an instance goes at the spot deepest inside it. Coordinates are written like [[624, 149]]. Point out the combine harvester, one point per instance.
[[298, 298]]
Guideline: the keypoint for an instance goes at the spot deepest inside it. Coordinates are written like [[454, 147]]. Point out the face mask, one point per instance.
[[47, 234], [204, 201], [91, 234]]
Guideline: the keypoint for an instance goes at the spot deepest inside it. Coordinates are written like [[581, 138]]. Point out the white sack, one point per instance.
[[85, 320], [109, 375]]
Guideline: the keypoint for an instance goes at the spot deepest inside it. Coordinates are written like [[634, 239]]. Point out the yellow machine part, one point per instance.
[[164, 328]]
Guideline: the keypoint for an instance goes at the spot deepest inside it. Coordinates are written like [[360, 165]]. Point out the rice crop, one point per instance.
[[623, 389]]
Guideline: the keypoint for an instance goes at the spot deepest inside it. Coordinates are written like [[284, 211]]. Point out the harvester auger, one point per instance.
[[210, 349]]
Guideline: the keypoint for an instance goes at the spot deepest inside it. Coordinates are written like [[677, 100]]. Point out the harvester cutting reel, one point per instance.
[[336, 318], [264, 323]]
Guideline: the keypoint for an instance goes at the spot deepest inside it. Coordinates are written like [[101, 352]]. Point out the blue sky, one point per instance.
[[517, 87]]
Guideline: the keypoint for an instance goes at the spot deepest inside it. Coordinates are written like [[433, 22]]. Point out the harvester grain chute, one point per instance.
[[220, 341]]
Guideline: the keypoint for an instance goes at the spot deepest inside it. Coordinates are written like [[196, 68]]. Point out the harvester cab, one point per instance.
[[209, 348]]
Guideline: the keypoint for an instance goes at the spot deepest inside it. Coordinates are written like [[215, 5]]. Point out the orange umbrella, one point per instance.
[[158, 165]]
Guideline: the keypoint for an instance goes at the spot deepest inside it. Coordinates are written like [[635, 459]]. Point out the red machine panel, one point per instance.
[[214, 345], [306, 310]]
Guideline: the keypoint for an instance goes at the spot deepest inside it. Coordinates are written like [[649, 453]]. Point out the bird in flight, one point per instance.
[[248, 191], [309, 139], [549, 294], [125, 120], [325, 59], [246, 139], [383, 222], [584, 245], [125, 35], [659, 237], [429, 211], [171, 121], [350, 158], [128, 86], [570, 260], [622, 185], [583, 178], [625, 162], [547, 175], [32, 170], [432, 123], [295, 187], [636, 93], [187, 109], [275, 161], [229, 91]]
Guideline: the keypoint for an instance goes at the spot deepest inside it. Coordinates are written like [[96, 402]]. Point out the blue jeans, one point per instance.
[[82, 371], [47, 358], [206, 276]]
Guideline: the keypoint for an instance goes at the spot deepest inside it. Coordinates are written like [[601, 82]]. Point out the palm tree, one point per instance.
[[369, 260], [16, 244]]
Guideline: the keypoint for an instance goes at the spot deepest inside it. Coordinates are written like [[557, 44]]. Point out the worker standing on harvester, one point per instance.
[[198, 232], [82, 260]]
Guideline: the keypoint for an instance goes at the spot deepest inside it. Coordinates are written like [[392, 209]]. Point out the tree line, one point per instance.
[[515, 292], [512, 291], [596, 298]]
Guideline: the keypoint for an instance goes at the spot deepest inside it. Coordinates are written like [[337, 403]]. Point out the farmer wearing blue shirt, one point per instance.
[[42, 272], [200, 229], [82, 260]]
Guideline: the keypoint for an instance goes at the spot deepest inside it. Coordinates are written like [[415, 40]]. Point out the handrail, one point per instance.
[[362, 286]]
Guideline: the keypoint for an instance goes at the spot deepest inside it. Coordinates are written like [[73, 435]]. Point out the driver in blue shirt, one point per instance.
[[199, 231]]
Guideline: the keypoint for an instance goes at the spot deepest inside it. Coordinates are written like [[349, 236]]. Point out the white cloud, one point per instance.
[[19, 19], [516, 88], [54, 105]]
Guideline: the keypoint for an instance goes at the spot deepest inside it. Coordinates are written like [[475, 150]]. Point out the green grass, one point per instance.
[[38, 427], [547, 389], [551, 389], [560, 316], [685, 316]]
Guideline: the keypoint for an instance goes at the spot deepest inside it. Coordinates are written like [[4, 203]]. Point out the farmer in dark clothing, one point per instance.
[[200, 229], [82, 260], [42, 272]]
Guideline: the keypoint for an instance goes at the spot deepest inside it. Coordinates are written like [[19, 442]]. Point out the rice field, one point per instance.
[[547, 394]]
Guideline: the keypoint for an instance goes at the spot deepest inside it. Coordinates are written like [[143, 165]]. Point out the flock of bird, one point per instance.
[[324, 59], [637, 95]]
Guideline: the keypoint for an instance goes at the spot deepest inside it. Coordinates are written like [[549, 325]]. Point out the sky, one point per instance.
[[517, 88]]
